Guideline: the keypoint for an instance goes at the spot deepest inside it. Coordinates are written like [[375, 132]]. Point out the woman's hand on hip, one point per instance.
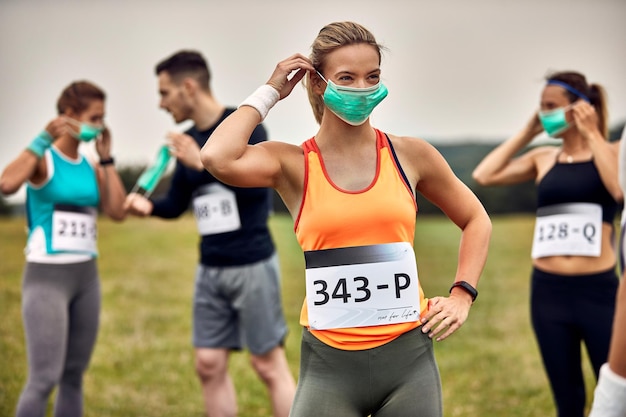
[[446, 315]]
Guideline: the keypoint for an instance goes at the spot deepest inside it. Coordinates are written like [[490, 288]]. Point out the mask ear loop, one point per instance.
[[72, 120], [321, 76], [569, 107], [75, 130]]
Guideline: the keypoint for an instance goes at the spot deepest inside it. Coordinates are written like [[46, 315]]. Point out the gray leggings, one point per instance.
[[398, 379], [60, 307]]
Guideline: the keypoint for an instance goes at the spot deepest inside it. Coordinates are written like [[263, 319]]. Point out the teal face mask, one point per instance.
[[353, 105], [86, 132], [554, 121], [150, 178]]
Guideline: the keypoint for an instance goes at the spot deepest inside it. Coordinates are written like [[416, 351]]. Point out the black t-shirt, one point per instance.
[[252, 242]]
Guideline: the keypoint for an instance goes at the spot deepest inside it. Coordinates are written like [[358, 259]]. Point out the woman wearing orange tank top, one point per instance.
[[367, 344]]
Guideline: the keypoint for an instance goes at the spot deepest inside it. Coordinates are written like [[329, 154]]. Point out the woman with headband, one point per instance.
[[574, 281]]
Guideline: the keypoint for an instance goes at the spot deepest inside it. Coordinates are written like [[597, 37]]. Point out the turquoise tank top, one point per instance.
[[65, 206]]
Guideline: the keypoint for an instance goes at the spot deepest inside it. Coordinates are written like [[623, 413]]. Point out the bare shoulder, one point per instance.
[[286, 153], [418, 158], [544, 150], [408, 146], [543, 154], [291, 160], [417, 153]]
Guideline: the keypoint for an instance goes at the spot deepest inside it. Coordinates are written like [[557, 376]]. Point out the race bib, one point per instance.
[[74, 229], [573, 229], [362, 286], [215, 208]]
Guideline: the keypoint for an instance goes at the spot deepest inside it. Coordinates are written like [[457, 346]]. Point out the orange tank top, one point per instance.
[[330, 217]]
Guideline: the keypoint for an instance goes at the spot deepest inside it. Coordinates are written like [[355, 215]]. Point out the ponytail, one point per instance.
[[597, 97]]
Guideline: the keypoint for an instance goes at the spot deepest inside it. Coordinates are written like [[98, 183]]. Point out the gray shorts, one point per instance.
[[237, 307]]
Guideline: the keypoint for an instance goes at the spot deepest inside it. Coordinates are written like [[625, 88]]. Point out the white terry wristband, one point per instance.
[[610, 394], [263, 99]]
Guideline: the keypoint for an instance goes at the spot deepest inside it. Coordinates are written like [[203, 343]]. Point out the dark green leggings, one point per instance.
[[398, 379]]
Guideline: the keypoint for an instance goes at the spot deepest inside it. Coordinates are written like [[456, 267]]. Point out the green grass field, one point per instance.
[[142, 365]]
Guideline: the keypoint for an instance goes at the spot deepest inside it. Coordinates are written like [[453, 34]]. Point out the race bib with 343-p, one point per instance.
[[362, 286]]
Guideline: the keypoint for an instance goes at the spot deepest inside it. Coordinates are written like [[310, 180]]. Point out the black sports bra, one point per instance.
[[576, 182]]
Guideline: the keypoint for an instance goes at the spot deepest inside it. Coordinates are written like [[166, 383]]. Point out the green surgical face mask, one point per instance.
[[554, 121], [150, 178], [353, 105], [86, 132]]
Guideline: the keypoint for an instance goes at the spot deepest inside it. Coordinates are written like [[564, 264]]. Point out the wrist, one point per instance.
[[42, 142], [107, 161], [262, 100], [465, 287]]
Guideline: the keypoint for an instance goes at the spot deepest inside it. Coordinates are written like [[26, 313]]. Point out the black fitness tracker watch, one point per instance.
[[466, 287], [105, 162]]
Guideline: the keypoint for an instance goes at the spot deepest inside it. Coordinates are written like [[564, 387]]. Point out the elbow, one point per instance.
[[118, 216], [484, 222], [488, 225], [212, 162], [207, 159], [486, 177], [478, 228], [618, 195], [480, 178], [7, 188], [115, 208], [616, 191]]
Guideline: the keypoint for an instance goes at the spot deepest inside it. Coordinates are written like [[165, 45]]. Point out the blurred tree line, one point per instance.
[[462, 158]]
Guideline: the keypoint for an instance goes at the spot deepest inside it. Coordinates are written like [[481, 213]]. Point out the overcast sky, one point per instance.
[[455, 69]]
